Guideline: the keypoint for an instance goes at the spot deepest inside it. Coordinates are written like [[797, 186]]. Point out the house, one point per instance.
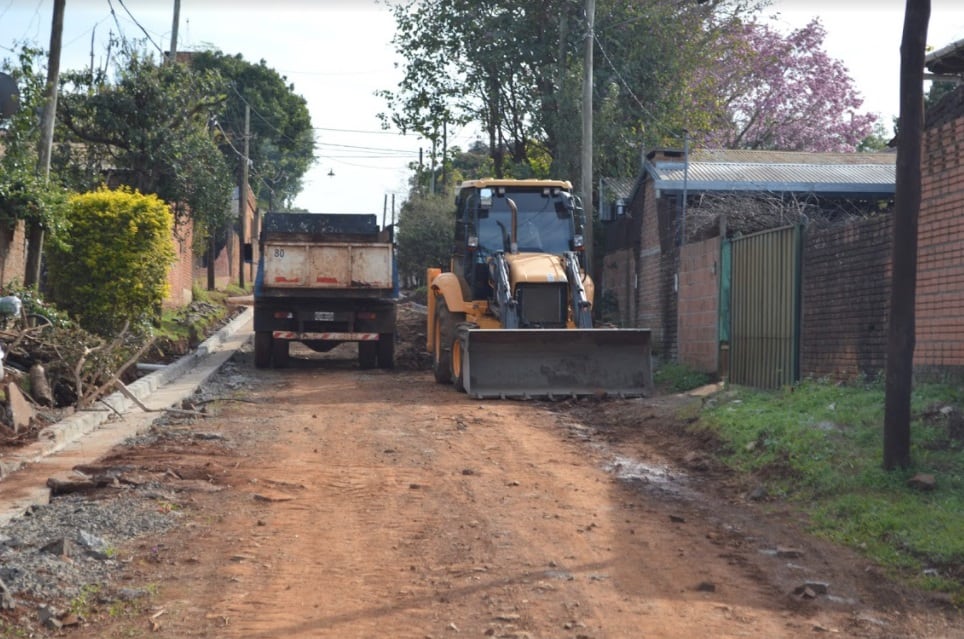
[[709, 249]]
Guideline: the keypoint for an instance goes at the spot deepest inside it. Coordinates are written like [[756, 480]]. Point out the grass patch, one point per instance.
[[674, 377], [191, 322], [820, 445]]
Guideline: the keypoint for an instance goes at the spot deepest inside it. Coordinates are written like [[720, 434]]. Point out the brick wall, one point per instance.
[[13, 253], [699, 305], [226, 263], [845, 293], [225, 266], [181, 275], [940, 261], [649, 273]]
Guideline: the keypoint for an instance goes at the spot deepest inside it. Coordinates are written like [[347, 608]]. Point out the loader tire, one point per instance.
[[445, 324], [459, 353]]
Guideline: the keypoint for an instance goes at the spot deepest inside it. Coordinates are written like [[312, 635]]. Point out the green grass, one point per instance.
[[820, 445], [678, 378]]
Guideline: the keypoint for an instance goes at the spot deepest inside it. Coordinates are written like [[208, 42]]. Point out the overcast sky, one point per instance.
[[337, 53]]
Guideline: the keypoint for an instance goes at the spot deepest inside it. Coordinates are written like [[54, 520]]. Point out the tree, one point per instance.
[[901, 325], [24, 193], [937, 90], [282, 139], [148, 129], [425, 226], [770, 91], [515, 68]]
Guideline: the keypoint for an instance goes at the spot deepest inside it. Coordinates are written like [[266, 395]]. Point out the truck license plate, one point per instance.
[[324, 316]]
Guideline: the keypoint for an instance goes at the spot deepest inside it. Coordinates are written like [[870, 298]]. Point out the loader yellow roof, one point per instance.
[[495, 182]]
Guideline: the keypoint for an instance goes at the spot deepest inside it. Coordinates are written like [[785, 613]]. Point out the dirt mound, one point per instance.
[[410, 336]]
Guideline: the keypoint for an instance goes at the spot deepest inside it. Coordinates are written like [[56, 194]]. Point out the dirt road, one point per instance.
[[325, 501]]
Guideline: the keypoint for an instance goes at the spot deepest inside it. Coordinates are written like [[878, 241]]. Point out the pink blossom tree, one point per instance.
[[765, 90]]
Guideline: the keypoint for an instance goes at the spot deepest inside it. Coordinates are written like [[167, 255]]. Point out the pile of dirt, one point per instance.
[[410, 336]]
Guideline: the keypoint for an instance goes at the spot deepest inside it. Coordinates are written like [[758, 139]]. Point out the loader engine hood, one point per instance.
[[535, 268]]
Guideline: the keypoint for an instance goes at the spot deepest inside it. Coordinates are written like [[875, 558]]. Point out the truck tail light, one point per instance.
[[365, 316], [283, 315]]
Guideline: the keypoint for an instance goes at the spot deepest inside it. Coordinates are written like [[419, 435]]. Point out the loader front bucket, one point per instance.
[[531, 363]]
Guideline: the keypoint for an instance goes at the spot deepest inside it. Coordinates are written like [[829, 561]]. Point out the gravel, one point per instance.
[[54, 551]]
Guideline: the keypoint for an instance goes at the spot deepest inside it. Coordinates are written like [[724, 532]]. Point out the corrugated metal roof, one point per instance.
[[947, 60], [828, 174], [618, 188]]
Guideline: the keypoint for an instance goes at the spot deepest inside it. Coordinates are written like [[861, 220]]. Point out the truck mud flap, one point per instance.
[[551, 363]]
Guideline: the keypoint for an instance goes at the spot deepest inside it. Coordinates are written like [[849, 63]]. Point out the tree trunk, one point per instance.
[[212, 254], [901, 337]]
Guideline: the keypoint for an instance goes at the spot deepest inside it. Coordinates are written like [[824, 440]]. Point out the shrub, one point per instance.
[[111, 267]]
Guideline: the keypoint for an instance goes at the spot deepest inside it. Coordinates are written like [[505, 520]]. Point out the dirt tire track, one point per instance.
[[380, 504]]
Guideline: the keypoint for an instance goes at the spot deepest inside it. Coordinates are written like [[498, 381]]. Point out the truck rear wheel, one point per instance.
[[279, 353], [367, 354], [262, 349], [386, 350], [445, 323]]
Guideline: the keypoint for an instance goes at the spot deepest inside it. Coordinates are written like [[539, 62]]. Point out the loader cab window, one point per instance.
[[545, 222]]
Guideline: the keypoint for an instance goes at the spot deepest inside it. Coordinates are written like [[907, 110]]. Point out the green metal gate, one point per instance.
[[760, 307]]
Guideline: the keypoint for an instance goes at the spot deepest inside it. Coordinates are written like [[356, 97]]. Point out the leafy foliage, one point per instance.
[[425, 227], [24, 193], [281, 145], [770, 91], [515, 68], [148, 130], [112, 269]]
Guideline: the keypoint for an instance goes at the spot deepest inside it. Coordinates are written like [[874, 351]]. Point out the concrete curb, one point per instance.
[[55, 437]]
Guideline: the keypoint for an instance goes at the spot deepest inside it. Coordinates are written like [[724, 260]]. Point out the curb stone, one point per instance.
[[68, 430]]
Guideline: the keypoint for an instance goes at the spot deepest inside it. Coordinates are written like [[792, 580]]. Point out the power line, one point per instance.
[[134, 20], [379, 132], [366, 148]]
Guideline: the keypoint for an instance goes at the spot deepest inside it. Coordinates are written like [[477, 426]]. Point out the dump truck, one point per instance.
[[512, 315], [323, 280]]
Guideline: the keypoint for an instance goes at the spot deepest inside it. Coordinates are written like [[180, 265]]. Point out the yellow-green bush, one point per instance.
[[111, 266]]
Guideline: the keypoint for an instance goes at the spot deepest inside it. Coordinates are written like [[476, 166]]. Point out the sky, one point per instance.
[[337, 53]]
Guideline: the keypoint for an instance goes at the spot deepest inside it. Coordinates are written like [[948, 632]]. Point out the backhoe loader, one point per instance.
[[512, 317]]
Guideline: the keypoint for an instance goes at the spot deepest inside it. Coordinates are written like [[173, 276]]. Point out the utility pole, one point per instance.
[[36, 233], [177, 17], [445, 151], [243, 195], [586, 183], [901, 323]]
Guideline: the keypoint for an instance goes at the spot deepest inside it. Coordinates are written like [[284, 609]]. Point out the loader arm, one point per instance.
[[505, 305], [581, 307]]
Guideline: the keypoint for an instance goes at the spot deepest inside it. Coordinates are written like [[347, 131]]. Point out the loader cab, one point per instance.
[[548, 219]]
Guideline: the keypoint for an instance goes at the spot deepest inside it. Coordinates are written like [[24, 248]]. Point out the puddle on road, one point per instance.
[[653, 476]]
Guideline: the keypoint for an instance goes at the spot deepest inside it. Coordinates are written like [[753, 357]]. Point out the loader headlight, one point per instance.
[[472, 241], [577, 242]]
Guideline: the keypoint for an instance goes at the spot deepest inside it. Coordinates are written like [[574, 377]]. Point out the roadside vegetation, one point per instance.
[[673, 377], [818, 445]]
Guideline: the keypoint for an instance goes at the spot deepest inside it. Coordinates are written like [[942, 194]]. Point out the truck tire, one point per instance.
[[262, 349], [386, 351], [367, 354], [445, 323], [279, 353]]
